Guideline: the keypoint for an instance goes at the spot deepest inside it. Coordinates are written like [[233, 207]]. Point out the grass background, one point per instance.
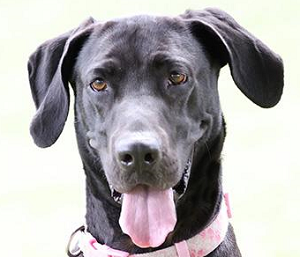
[[42, 191]]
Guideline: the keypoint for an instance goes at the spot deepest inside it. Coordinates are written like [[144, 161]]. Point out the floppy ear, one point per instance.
[[49, 69], [255, 69]]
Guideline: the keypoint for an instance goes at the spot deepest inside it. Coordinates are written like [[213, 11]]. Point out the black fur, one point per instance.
[[135, 56]]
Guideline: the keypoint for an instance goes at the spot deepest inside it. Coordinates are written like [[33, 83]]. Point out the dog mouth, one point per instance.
[[178, 190], [148, 214]]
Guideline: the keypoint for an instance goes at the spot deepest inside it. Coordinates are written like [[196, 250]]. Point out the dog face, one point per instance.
[[147, 104], [144, 100]]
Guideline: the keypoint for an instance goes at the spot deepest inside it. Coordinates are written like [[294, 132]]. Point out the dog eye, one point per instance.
[[177, 78], [98, 85]]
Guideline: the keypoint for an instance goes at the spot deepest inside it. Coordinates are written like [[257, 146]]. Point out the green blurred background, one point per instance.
[[42, 191]]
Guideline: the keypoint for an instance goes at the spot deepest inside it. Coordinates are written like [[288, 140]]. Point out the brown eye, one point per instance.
[[99, 85], [177, 78]]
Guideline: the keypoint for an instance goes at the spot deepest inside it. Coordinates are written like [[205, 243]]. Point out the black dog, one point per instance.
[[148, 119]]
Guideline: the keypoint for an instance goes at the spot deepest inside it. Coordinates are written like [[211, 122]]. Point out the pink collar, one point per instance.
[[198, 246]]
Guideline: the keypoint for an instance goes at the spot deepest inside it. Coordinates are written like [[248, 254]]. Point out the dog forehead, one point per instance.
[[134, 39], [145, 29]]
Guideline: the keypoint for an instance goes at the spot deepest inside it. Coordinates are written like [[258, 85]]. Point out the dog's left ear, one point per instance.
[[49, 68], [256, 70]]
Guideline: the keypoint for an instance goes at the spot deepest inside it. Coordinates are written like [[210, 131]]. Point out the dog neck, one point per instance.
[[201, 206]]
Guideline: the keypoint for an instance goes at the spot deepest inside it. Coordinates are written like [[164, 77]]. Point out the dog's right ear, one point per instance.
[[49, 68]]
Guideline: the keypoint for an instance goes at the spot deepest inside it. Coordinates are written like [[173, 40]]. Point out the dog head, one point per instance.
[[146, 93]]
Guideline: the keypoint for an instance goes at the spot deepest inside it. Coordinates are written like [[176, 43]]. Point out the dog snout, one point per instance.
[[137, 152]]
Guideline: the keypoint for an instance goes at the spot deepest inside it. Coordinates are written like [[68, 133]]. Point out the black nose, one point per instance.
[[137, 153]]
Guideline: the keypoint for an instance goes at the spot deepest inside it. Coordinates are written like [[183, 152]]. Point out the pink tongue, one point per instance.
[[148, 215]]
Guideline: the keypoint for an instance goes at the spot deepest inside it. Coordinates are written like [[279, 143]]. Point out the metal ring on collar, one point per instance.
[[73, 249]]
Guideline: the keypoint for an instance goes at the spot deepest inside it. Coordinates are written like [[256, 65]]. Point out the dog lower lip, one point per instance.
[[179, 188]]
